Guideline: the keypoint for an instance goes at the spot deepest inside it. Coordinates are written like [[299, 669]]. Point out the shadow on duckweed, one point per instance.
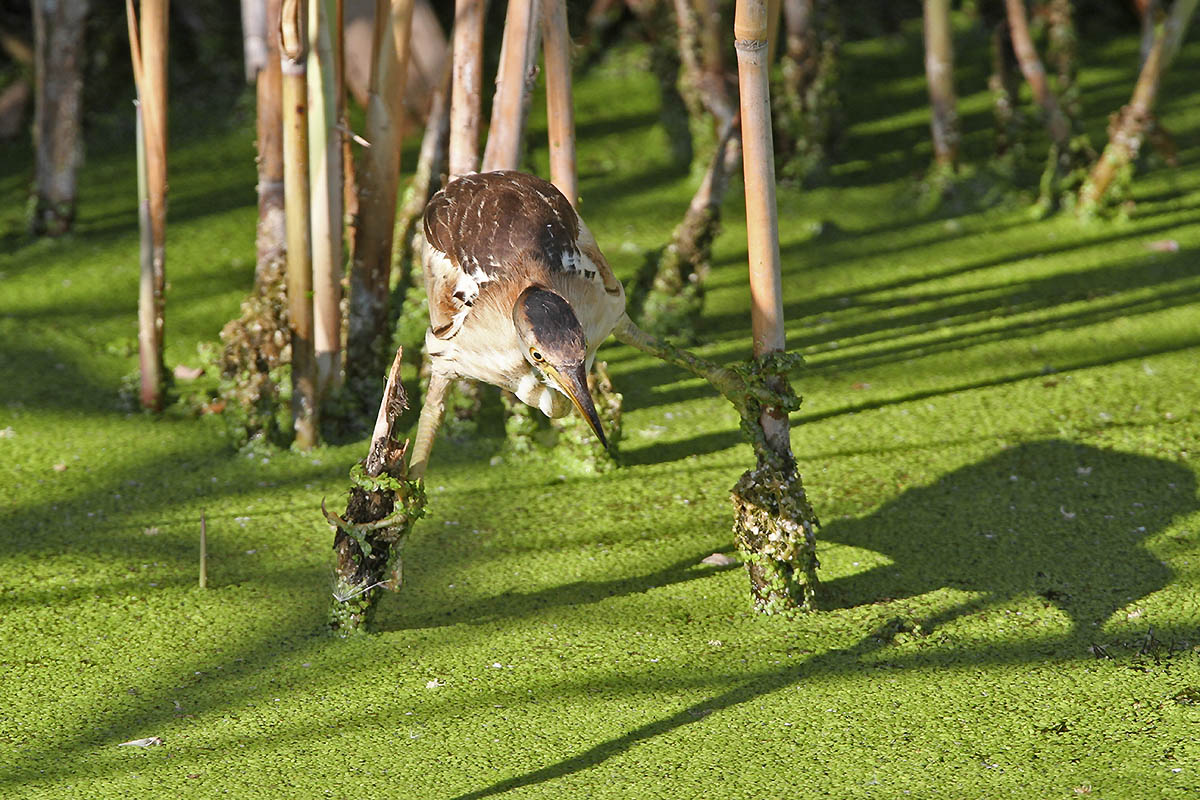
[[1053, 520]]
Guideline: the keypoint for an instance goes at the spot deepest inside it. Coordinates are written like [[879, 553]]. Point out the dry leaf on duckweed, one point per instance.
[[718, 560], [149, 741]]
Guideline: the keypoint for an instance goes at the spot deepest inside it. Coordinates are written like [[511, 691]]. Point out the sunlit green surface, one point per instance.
[[1000, 433]]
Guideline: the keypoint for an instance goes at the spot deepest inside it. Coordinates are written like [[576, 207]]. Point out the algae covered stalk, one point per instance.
[[804, 99], [1069, 155], [673, 301], [383, 505], [774, 525], [1130, 125]]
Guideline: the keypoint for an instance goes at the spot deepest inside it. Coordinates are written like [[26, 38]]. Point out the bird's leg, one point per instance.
[[427, 427]]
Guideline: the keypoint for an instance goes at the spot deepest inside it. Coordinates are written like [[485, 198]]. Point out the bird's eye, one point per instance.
[[536, 356]]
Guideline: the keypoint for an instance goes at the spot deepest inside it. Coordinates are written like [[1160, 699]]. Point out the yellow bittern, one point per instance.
[[520, 297]]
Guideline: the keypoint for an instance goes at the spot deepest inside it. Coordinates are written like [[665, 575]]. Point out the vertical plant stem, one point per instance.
[[293, 61], [148, 49], [271, 238], [559, 106], [58, 60], [325, 186], [1035, 74], [774, 524], [255, 30], [203, 551], [1002, 83], [378, 179], [939, 73], [1129, 125], [762, 225], [514, 86], [466, 85]]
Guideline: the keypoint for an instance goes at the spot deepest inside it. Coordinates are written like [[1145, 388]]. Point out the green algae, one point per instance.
[[999, 432]]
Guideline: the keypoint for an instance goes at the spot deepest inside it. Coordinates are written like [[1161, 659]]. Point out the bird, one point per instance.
[[520, 297]]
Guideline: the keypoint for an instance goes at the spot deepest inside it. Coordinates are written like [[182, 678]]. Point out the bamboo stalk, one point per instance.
[[762, 225], [271, 236], [293, 62], [1035, 74], [1129, 125], [148, 50], [559, 107], [514, 86], [939, 74], [326, 178], [774, 524], [255, 31], [58, 58], [465, 98], [378, 179]]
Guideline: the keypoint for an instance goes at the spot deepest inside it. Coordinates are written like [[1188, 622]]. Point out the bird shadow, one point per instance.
[[1051, 521]]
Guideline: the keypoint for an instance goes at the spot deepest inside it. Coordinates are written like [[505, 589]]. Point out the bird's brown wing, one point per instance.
[[486, 227]]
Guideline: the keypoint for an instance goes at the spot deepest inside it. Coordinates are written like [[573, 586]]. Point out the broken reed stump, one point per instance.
[[382, 508], [774, 524]]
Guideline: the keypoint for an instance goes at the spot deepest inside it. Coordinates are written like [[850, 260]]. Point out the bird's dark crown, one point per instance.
[[545, 321]]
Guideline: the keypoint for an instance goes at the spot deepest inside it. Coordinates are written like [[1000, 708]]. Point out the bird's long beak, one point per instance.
[[574, 382]]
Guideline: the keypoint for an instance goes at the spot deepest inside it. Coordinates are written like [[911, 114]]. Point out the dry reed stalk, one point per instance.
[[293, 63], [1056, 121], [255, 30], [379, 176], [939, 74], [556, 44], [1128, 126], [514, 86], [148, 49], [271, 237], [466, 84], [326, 176], [58, 57], [774, 524], [762, 224]]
